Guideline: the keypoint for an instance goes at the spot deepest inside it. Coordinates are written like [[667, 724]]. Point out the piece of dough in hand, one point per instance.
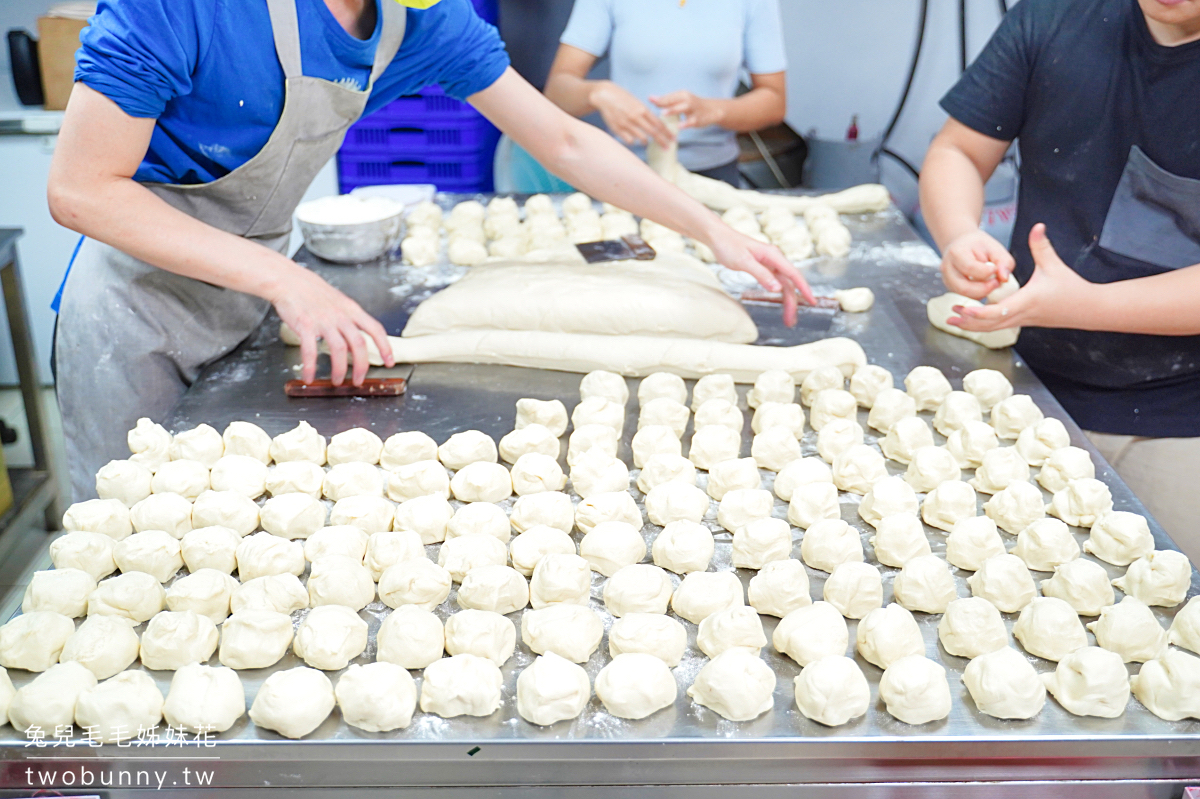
[[940, 310]]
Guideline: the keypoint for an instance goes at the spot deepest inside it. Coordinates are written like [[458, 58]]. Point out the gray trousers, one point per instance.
[[130, 340]]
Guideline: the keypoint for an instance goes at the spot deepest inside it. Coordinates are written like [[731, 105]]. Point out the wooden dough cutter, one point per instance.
[[384, 383], [776, 298], [626, 248]]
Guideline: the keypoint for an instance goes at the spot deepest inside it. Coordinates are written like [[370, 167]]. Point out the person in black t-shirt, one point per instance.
[[1103, 97]]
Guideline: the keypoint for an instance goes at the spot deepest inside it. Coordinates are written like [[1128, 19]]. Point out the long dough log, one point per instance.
[[632, 356]]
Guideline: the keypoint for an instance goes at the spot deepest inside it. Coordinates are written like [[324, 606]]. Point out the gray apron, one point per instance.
[[132, 337]]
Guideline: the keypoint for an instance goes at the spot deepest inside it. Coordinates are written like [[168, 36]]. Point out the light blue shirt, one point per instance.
[[659, 46]]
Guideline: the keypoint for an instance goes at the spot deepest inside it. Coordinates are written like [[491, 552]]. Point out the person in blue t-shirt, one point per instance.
[[669, 57], [193, 130], [1103, 97]]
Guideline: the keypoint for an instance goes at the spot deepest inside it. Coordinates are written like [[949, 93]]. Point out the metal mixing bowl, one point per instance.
[[353, 243]]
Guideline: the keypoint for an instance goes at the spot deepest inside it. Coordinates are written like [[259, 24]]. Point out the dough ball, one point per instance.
[[428, 516], [149, 443], [293, 702], [722, 412], [635, 685], [420, 250], [212, 548], [888, 497], [854, 589], [615, 507], [972, 542], [927, 386], [1168, 686], [240, 474], [701, 594], [174, 639], [830, 542], [463, 553], [301, 443], [713, 446], [948, 504], [830, 404], [64, 591], [761, 541], [528, 548], [552, 689], [120, 708], [498, 589], [170, 513], [202, 444], [866, 383], [655, 440], [414, 582], [743, 506], [1064, 465], [1039, 442], [811, 632], [292, 515], [925, 584], [526, 439], [105, 645], [48, 701], [339, 580], [731, 475], [329, 637], [638, 588], [676, 501], [89, 552], [617, 225], [832, 691], [386, 549], [891, 405], [425, 213], [420, 479], [648, 633], [855, 300], [715, 386], [204, 699], [1049, 628], [560, 579], [123, 480], [461, 685], [353, 479], [778, 414], [463, 251], [684, 547], [597, 472], [589, 437], [136, 596], [956, 410], [407, 447], [1003, 580], [245, 438], [550, 414], [481, 482], [368, 514], [601, 411], [859, 468], [107, 516], [1012, 415], [930, 467], [837, 438], [469, 446], [410, 637], [548, 509], [970, 443], [665, 468], [661, 385], [264, 554], [1016, 507], [33, 641], [736, 684], [774, 385], [734, 628], [826, 378], [779, 587], [481, 633], [971, 627], [989, 387], [345, 541], [1083, 585], [471, 210], [1090, 682], [1130, 629], [254, 639], [479, 518], [774, 448], [610, 546], [206, 592], [1159, 578], [225, 509], [812, 503], [898, 539], [377, 697], [1082, 503], [799, 473], [1045, 544], [356, 445], [154, 552], [281, 593], [608, 385], [914, 690], [570, 631], [905, 438], [889, 634], [1120, 538]]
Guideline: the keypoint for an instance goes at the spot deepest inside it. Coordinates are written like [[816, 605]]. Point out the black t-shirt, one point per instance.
[[1108, 123]]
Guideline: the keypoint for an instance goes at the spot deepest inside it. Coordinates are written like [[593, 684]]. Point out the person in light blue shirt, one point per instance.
[[675, 57]]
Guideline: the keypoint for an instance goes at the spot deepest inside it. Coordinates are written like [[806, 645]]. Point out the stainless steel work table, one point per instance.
[[686, 750]]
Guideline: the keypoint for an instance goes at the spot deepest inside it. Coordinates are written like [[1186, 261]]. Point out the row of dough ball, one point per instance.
[[821, 233]]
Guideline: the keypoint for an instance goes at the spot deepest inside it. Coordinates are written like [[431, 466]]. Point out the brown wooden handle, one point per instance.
[[371, 387]]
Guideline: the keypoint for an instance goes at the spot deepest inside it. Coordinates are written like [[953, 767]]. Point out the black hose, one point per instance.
[[901, 161], [912, 73], [1003, 7], [962, 35]]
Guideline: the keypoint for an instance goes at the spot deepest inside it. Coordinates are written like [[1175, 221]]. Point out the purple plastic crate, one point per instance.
[[388, 137], [449, 173], [488, 10], [426, 106]]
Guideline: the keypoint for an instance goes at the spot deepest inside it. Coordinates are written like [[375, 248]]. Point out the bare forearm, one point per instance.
[[756, 109], [951, 193], [1161, 305], [571, 93]]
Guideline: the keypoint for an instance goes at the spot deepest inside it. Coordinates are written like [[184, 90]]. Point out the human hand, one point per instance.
[[627, 117], [695, 112], [1054, 296], [975, 265], [317, 311], [766, 263]]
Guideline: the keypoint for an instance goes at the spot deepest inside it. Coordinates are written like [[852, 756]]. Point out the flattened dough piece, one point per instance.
[[939, 311]]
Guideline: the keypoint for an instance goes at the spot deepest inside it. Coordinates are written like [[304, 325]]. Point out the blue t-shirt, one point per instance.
[[207, 70], [1107, 120], [656, 47]]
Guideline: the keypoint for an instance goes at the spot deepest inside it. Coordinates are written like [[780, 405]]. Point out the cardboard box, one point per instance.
[[58, 39]]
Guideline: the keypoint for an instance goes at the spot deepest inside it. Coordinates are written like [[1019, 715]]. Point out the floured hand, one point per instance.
[[766, 263]]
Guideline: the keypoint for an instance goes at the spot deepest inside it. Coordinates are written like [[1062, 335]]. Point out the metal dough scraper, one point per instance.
[[380, 382], [626, 248]]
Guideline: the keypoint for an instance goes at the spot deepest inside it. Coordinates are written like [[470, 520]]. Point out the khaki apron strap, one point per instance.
[[395, 21], [286, 27]]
